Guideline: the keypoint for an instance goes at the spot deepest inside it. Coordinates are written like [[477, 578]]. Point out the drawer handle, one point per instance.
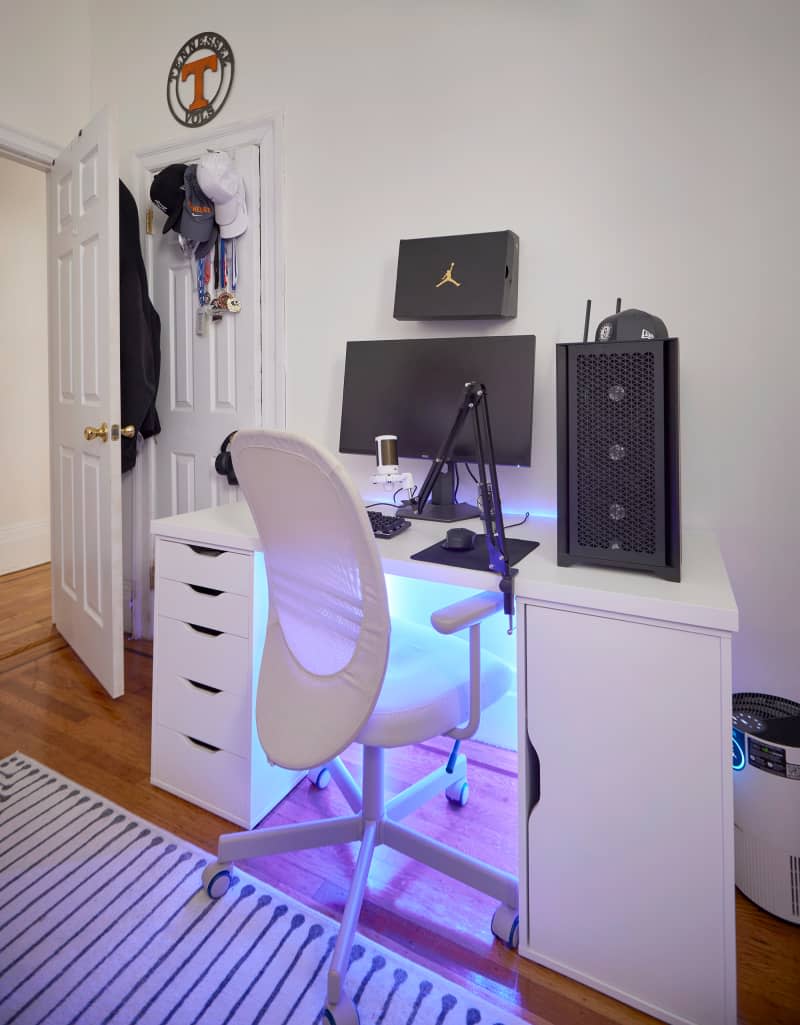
[[204, 629], [203, 686], [205, 590], [200, 550], [202, 743]]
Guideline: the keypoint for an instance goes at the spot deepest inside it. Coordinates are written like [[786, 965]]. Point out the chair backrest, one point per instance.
[[327, 637]]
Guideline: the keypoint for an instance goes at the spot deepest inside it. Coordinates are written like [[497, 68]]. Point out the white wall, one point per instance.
[[44, 67], [24, 441], [640, 149]]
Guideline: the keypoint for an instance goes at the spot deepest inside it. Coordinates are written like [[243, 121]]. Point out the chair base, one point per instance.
[[374, 823]]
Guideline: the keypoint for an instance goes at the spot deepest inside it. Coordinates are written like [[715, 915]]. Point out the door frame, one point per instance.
[[27, 149], [38, 154], [265, 133]]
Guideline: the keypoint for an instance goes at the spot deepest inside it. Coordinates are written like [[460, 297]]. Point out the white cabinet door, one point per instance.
[[630, 861]]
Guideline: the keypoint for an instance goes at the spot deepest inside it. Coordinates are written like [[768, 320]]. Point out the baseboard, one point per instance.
[[499, 723], [24, 544]]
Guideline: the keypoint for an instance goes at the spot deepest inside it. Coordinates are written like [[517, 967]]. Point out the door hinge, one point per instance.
[[152, 576]]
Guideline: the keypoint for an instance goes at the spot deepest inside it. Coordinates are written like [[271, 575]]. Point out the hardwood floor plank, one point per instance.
[[53, 710]]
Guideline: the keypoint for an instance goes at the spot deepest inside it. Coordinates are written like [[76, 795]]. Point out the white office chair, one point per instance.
[[335, 670]]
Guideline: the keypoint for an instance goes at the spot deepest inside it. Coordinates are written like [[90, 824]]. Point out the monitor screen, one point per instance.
[[413, 388]]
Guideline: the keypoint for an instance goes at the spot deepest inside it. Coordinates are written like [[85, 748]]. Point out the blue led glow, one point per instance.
[[739, 756]]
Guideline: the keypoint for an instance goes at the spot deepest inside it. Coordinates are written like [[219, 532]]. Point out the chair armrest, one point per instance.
[[468, 612]]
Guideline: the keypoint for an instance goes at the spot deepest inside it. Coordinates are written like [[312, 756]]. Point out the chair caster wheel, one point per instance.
[[505, 926], [320, 778], [216, 880], [343, 1013], [458, 793]]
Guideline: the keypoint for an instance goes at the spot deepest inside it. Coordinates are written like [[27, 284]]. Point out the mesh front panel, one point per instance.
[[615, 472]]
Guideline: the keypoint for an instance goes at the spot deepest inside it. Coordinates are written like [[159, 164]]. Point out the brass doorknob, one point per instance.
[[101, 432], [127, 432]]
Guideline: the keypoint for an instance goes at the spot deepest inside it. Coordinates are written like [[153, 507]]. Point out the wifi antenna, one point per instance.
[[586, 322], [619, 304]]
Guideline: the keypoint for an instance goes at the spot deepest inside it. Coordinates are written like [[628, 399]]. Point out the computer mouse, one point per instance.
[[460, 539]]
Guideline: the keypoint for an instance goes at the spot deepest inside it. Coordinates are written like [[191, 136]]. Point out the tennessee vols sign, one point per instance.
[[199, 79]]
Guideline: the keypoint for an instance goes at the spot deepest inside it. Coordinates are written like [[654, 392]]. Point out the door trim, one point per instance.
[[26, 148], [265, 133]]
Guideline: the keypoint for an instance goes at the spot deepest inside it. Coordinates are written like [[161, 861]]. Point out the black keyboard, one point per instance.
[[387, 526]]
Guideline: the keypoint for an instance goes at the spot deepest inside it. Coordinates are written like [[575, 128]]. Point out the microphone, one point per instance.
[[386, 453], [388, 469]]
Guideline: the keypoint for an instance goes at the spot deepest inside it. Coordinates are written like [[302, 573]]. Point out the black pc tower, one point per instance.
[[618, 459]]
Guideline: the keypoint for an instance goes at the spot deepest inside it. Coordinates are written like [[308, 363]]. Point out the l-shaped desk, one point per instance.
[[624, 717]]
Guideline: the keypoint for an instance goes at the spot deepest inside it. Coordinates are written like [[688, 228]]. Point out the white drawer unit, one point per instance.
[[210, 619]]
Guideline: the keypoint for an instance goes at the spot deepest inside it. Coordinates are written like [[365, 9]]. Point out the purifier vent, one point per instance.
[[616, 451], [764, 706], [794, 874]]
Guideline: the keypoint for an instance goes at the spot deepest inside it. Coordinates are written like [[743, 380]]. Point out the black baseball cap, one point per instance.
[[630, 326], [167, 192]]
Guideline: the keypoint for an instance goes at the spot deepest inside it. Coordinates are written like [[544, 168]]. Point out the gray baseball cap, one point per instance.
[[197, 217]]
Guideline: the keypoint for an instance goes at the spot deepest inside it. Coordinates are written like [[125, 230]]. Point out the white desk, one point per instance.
[[624, 681]]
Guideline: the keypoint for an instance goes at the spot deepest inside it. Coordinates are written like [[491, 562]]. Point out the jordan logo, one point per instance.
[[447, 277]]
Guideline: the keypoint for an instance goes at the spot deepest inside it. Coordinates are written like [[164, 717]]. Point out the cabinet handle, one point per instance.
[[201, 550], [203, 686], [212, 591], [533, 769], [204, 629], [202, 743]]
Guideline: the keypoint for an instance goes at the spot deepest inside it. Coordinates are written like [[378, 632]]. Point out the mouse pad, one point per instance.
[[477, 557]]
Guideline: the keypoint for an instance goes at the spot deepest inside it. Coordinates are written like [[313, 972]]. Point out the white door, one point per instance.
[[83, 288], [210, 383]]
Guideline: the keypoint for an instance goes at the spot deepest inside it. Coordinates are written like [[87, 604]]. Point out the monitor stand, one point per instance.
[[442, 506]]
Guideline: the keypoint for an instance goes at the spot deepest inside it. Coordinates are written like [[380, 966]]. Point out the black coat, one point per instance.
[[139, 334]]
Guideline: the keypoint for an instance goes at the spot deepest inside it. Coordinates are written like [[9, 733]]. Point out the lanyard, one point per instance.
[[227, 265], [203, 275]]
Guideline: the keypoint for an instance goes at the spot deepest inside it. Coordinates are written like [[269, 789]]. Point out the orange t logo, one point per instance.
[[198, 68]]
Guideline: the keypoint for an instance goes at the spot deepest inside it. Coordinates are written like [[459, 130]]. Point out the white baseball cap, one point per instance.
[[218, 178]]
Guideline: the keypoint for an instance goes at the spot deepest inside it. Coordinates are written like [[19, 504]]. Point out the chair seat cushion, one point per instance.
[[426, 689]]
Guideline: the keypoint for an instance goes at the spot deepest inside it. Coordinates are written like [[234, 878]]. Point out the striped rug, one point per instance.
[[103, 919]]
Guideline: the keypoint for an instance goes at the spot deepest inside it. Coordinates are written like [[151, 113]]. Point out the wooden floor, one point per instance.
[[52, 709]]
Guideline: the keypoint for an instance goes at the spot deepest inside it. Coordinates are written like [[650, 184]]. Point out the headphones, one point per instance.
[[223, 464]]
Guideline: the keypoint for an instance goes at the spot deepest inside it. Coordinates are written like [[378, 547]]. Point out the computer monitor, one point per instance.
[[413, 388]]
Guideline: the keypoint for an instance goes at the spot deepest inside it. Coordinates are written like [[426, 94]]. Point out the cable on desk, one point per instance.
[[508, 526]]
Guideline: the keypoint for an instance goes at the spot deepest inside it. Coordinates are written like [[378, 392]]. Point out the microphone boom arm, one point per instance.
[[475, 402]]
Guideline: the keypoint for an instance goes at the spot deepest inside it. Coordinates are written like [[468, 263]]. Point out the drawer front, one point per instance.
[[208, 567], [219, 660], [206, 606], [214, 779], [218, 717]]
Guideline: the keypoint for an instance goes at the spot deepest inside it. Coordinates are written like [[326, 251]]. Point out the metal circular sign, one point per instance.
[[199, 79]]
